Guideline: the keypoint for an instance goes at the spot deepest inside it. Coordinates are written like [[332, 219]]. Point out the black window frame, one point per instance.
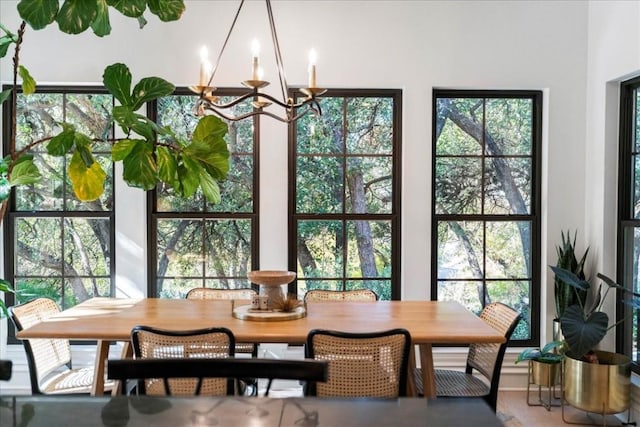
[[534, 217], [394, 217]]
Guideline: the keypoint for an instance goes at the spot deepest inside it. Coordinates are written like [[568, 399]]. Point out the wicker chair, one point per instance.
[[170, 369], [228, 294], [485, 358], [208, 343], [370, 364], [49, 360], [352, 295]]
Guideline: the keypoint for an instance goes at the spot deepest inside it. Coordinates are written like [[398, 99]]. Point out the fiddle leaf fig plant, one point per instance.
[[585, 326]]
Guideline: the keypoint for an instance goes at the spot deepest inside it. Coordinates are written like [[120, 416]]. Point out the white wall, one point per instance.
[[411, 45]]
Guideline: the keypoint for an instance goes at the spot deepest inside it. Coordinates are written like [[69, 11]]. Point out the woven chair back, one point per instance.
[[223, 294], [211, 343], [361, 365], [352, 295], [484, 357], [47, 355]]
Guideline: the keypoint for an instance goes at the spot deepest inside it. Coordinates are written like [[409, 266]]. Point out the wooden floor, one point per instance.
[[514, 411]]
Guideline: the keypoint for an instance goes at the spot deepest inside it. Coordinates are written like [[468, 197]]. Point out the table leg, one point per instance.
[[411, 384], [428, 374], [127, 353], [102, 352]]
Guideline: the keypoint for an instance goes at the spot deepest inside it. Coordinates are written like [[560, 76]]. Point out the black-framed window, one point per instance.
[[194, 243], [629, 217], [55, 245], [344, 193], [486, 201]]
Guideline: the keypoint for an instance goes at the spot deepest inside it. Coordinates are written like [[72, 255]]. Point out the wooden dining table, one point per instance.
[[108, 320]]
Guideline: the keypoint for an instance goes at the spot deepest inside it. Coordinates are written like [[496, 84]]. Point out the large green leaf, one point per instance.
[[189, 175], [583, 335], [121, 149], [128, 120], [209, 126], [75, 16], [167, 10], [38, 13], [25, 171], [131, 8], [210, 187], [4, 95], [167, 165], [150, 88], [28, 82], [5, 41], [139, 168], [101, 25], [60, 144], [216, 161], [88, 182], [117, 79]]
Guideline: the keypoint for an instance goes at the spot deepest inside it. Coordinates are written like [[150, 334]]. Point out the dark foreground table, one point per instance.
[[49, 411]]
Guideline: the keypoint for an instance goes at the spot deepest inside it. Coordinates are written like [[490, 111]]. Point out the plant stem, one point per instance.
[[14, 96]]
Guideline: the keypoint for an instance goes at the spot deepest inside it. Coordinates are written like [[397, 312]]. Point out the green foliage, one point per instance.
[[564, 294], [76, 16], [5, 287], [552, 352], [584, 327]]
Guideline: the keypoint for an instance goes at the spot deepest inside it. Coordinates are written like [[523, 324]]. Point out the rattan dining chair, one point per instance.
[[372, 364], [209, 343], [228, 294], [484, 358], [49, 360], [202, 369], [351, 295]]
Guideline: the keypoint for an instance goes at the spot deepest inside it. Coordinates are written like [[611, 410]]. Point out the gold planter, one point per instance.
[[603, 388], [544, 374]]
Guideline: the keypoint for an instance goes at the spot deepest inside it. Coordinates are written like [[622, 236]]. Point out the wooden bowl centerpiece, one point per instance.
[[271, 282]]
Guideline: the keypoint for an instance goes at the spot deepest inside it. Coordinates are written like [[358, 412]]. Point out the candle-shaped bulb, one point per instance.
[[260, 73], [312, 68], [255, 63], [204, 60]]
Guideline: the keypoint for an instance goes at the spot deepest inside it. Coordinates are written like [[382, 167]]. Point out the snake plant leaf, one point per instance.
[[167, 10], [87, 181], [167, 166], [28, 82], [25, 171], [583, 335], [117, 79], [130, 8], [570, 278], [75, 16], [122, 149], [139, 168], [4, 95], [148, 89], [38, 13], [101, 26], [60, 144]]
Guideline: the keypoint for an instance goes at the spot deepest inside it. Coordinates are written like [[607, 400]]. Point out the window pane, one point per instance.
[[508, 186], [460, 251], [509, 123], [307, 285], [324, 134], [452, 140], [516, 294], [320, 249], [458, 185], [90, 114], [176, 288], [369, 125], [86, 246], [81, 289], [179, 248], [636, 187], [369, 184], [228, 248], [48, 193], [382, 288], [368, 249], [38, 246], [319, 185], [225, 283], [505, 256], [469, 294], [31, 288], [37, 117], [237, 189]]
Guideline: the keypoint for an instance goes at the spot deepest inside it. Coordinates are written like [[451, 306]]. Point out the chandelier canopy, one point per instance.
[[209, 101]]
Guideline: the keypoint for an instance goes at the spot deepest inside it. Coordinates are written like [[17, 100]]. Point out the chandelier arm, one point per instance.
[[224, 45], [276, 48], [267, 96]]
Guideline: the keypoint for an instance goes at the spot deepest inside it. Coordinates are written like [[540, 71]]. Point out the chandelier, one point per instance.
[[209, 101]]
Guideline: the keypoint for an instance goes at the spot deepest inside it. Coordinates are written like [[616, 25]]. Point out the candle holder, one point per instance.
[[312, 91], [271, 282]]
